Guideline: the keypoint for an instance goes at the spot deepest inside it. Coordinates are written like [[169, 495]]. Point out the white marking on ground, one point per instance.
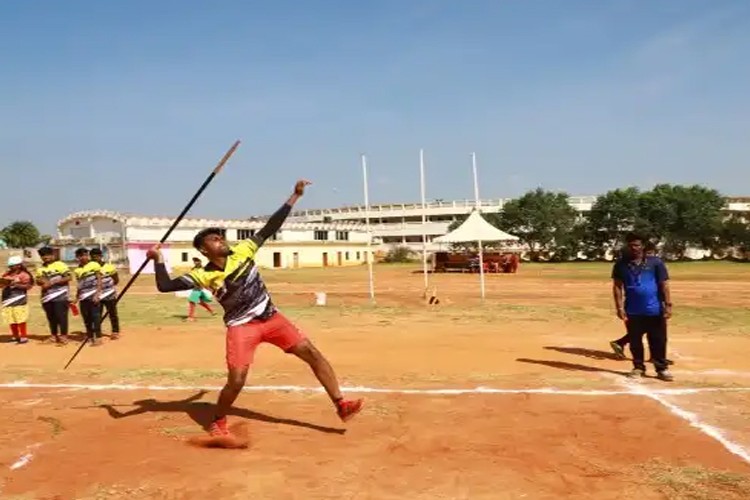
[[371, 390], [25, 458], [693, 419]]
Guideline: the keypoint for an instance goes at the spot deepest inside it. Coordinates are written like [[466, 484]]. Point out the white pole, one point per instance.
[[424, 220], [369, 232], [478, 205]]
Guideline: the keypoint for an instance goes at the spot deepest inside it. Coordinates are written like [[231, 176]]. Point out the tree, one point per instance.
[[735, 235], [681, 216], [542, 220], [612, 215], [20, 234]]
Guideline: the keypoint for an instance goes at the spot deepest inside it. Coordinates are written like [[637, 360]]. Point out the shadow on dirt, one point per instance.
[[202, 412], [561, 365]]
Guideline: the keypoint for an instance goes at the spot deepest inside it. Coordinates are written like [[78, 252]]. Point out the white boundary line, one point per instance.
[[21, 384], [635, 389], [694, 421]]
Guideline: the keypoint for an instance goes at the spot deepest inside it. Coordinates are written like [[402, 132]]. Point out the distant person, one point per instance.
[[16, 283], [89, 293], [643, 300], [198, 295], [53, 276], [110, 280]]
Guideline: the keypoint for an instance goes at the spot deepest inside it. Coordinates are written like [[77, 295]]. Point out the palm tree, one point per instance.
[[20, 234]]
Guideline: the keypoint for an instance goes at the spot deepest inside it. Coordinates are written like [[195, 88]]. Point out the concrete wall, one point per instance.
[[290, 234], [272, 255], [91, 227]]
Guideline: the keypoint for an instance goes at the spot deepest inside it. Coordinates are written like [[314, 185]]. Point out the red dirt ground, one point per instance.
[[475, 446], [532, 332]]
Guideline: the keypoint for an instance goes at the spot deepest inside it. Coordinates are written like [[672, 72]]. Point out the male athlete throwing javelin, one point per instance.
[[249, 313]]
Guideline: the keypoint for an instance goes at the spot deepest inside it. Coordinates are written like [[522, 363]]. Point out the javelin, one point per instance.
[[179, 218]]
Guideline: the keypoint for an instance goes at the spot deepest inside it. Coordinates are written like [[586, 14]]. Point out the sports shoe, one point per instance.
[[636, 372], [23, 340], [617, 349], [346, 410], [665, 376], [218, 428]]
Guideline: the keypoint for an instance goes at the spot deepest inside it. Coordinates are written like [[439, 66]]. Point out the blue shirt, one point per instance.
[[641, 283]]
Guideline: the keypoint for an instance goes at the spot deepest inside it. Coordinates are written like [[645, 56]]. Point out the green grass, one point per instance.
[[696, 483]]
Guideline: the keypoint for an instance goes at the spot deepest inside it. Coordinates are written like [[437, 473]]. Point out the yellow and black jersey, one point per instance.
[[87, 277], [54, 272], [238, 287], [109, 291]]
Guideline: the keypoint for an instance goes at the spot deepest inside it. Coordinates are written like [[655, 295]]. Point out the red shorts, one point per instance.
[[242, 340]]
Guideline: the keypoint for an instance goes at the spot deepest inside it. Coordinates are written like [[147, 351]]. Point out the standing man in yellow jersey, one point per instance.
[[53, 276], [108, 298], [89, 276]]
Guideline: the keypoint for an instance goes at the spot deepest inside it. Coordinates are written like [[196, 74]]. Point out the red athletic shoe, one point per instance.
[[220, 436], [219, 428], [348, 409]]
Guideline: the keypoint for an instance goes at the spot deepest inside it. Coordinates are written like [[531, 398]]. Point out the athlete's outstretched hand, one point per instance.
[[299, 188]]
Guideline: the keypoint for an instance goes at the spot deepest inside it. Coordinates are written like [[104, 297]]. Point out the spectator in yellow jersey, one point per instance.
[[110, 280], [53, 276], [89, 276]]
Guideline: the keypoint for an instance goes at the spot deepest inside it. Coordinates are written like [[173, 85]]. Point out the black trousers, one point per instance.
[[57, 316], [111, 308], [655, 329], [92, 318]]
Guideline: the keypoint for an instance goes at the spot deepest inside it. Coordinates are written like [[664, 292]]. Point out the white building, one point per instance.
[[126, 237], [401, 223]]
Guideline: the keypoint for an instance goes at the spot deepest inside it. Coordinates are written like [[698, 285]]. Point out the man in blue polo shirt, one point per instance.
[[642, 299]]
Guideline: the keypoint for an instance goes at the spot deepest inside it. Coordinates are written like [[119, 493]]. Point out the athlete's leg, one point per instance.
[[282, 333], [236, 378], [307, 352], [241, 342]]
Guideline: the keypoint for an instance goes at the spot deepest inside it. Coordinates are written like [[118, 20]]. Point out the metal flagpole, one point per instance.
[[424, 221], [370, 256], [478, 205]]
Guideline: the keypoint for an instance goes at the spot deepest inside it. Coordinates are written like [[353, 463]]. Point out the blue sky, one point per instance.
[[128, 105]]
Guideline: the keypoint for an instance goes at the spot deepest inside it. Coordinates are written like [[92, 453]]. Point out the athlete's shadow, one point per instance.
[[201, 412], [587, 353], [561, 365]]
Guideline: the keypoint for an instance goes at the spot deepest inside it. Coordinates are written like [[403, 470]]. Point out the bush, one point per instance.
[[399, 254]]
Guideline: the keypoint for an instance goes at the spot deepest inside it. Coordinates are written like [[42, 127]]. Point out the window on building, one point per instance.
[[359, 256], [184, 257], [321, 235], [245, 234], [342, 235], [347, 256], [274, 236]]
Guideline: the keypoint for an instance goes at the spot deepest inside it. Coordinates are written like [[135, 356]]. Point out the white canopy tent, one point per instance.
[[476, 228]]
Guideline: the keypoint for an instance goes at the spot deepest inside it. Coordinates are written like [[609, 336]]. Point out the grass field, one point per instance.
[[514, 397]]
